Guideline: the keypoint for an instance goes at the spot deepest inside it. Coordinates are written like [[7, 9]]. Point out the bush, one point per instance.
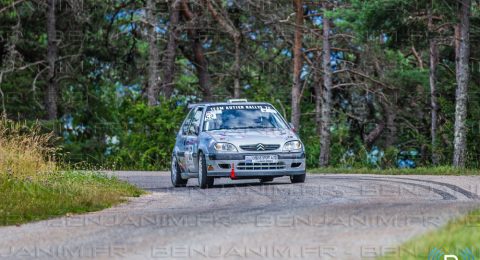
[[147, 136]]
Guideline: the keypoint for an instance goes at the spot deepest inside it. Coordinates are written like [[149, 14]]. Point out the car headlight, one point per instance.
[[292, 146], [225, 148]]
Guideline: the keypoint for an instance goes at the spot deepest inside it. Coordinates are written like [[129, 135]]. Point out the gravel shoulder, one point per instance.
[[331, 216]]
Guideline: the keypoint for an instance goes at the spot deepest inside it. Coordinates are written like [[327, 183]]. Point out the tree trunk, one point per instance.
[[390, 111], [52, 55], [228, 26], [462, 74], [171, 51], [324, 158], [373, 135], [297, 63], [236, 69], [198, 59], [201, 64], [433, 53], [153, 55], [318, 95]]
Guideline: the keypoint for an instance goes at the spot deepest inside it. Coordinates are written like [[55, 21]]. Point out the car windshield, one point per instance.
[[242, 117]]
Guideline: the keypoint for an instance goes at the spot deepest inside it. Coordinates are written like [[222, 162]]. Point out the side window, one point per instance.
[[195, 122], [187, 121]]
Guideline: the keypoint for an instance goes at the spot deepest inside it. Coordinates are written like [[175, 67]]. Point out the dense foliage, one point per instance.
[[381, 100]]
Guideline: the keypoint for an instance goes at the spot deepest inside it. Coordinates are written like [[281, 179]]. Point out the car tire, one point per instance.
[[298, 178], [203, 180], [175, 174], [266, 179]]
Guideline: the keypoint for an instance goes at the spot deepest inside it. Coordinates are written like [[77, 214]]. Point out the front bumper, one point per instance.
[[288, 164]]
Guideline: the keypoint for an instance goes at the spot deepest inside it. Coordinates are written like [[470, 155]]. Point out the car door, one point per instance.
[[181, 139], [191, 142]]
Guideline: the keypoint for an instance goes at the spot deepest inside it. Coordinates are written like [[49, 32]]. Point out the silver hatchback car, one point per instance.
[[238, 140]]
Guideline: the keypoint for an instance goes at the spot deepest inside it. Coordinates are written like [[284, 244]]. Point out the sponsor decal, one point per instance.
[[241, 107]]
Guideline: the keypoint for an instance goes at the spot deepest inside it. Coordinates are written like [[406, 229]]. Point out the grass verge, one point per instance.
[[33, 186], [23, 200], [439, 170], [459, 237]]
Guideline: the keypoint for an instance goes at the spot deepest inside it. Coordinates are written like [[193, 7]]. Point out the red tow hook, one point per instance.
[[232, 172]]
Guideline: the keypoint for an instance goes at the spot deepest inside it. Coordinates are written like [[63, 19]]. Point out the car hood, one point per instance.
[[253, 136]]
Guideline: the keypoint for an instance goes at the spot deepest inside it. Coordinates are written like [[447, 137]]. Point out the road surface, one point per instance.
[[331, 216]]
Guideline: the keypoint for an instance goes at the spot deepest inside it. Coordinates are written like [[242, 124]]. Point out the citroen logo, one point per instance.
[[260, 147]]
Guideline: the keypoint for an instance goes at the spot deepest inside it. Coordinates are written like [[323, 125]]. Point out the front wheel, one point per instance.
[[298, 178], [175, 175], [203, 180]]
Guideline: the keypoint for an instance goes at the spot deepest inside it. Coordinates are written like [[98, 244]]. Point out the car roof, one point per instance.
[[208, 104]]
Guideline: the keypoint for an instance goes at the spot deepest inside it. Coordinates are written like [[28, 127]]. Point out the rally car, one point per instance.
[[238, 140]]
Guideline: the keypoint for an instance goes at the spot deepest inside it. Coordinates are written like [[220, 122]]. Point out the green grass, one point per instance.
[[57, 194], [454, 238], [439, 170]]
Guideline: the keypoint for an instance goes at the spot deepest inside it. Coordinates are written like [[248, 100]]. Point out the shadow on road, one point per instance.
[[250, 184], [218, 186]]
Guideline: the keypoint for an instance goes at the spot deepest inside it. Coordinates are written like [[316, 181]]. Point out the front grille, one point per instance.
[[260, 147], [260, 166]]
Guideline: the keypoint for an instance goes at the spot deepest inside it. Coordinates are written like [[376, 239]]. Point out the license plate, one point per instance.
[[261, 158]]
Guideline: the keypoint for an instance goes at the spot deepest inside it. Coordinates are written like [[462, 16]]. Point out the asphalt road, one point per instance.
[[328, 217]]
